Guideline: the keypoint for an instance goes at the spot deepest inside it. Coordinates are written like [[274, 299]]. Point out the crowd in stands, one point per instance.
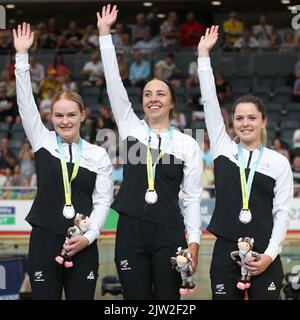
[[143, 51]]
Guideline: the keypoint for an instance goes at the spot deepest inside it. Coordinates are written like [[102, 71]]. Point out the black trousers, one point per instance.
[[225, 273], [142, 256], [48, 278]]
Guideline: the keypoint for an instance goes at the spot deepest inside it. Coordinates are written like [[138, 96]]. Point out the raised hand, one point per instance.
[[23, 38], [207, 41], [106, 19]]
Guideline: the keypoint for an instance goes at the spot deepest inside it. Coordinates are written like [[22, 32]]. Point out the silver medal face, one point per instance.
[[69, 212], [151, 196], [245, 216]]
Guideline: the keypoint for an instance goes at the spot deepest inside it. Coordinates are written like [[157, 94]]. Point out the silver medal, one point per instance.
[[69, 211], [151, 196], [245, 216]]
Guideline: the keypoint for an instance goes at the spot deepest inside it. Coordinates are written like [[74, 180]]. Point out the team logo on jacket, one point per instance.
[[91, 276], [220, 289], [38, 276], [124, 265], [271, 287]]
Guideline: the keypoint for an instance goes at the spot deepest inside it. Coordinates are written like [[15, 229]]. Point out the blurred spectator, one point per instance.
[[117, 37], [107, 117], [90, 39], [178, 119], [7, 157], [59, 66], [296, 139], [223, 88], [139, 70], [88, 127], [4, 175], [15, 179], [233, 28], [117, 171], [146, 45], [140, 28], [67, 84], [123, 68], [5, 43], [279, 147], [93, 69], [126, 49], [49, 82], [170, 31], [207, 155], [53, 29], [193, 79], [191, 31], [26, 158], [296, 90], [296, 175], [288, 42], [275, 38], [10, 69], [296, 144], [262, 32], [37, 73], [74, 36], [42, 39], [61, 44], [247, 41], [45, 103], [167, 69], [6, 105], [226, 44]]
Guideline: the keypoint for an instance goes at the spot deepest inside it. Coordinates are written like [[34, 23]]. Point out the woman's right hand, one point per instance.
[[106, 19], [23, 38], [207, 41]]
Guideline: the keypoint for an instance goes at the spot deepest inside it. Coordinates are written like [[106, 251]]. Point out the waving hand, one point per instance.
[[23, 38], [106, 19], [207, 41]]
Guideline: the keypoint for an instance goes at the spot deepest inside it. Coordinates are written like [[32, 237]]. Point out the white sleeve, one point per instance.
[[102, 198], [191, 190], [218, 137], [123, 113], [281, 208], [35, 131]]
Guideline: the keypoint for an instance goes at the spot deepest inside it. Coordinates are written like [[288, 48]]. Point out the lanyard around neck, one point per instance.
[[247, 185], [151, 167], [66, 181]]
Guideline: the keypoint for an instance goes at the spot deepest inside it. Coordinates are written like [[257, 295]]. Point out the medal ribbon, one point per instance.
[[247, 184], [66, 181], [151, 167]]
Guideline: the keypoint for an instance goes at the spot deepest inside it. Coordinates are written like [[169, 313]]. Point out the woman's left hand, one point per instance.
[[76, 244], [257, 267], [194, 249]]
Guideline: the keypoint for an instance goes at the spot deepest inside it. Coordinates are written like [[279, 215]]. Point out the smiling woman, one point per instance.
[[73, 176], [254, 189], [151, 226], [67, 112]]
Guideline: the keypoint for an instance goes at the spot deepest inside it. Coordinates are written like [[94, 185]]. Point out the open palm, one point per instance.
[[210, 38], [23, 38], [108, 17]]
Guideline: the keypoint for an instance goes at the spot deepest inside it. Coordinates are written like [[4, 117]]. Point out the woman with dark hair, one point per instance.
[[254, 189], [72, 176], [159, 161], [58, 66]]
